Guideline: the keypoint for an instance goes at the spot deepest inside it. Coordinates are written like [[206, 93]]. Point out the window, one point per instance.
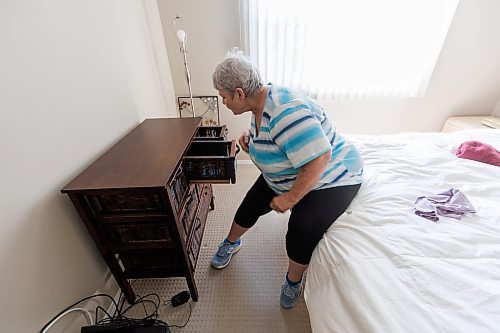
[[347, 48]]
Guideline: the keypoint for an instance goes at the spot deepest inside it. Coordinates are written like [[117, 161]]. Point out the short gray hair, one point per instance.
[[236, 71]]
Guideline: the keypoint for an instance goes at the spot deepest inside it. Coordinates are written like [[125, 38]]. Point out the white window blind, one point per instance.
[[347, 48]]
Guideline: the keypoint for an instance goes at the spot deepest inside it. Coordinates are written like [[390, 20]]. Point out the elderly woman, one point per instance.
[[306, 166]]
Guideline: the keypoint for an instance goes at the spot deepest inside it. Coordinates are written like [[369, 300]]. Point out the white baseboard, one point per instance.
[[74, 322], [113, 290]]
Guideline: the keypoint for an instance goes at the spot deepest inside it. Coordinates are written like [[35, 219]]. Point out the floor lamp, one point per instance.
[[181, 38]]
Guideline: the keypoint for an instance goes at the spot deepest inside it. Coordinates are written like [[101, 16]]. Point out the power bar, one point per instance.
[[124, 328]]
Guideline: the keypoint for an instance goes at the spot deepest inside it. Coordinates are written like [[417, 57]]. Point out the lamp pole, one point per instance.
[[188, 76], [181, 38]]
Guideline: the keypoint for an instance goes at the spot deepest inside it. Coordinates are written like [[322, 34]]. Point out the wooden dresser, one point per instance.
[[145, 201]]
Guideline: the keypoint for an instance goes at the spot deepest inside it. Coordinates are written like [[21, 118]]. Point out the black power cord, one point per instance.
[[118, 318], [179, 299]]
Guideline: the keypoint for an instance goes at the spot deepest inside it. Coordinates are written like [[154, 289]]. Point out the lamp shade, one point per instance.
[[181, 35]]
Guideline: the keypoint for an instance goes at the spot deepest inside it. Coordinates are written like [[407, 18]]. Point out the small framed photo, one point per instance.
[[206, 107]]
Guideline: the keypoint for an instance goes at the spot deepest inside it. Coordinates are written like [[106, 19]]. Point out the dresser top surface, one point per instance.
[[145, 158]]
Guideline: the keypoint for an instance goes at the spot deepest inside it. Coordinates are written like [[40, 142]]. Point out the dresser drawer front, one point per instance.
[[194, 242], [125, 203], [142, 235], [211, 162], [189, 210], [196, 234], [150, 261], [178, 188]]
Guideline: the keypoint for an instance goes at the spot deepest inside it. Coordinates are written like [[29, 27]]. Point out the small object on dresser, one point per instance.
[[491, 122], [461, 123]]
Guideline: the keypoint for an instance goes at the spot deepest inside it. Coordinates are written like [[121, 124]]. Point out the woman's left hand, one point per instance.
[[282, 203]]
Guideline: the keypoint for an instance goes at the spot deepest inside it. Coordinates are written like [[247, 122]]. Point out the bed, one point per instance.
[[382, 268]]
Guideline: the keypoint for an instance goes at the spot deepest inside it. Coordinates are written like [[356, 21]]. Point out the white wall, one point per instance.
[[75, 76], [466, 80]]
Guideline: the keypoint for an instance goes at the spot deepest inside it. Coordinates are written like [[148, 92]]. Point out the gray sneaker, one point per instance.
[[223, 256], [290, 294]]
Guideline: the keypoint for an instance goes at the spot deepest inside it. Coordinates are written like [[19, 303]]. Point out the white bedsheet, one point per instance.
[[381, 268]]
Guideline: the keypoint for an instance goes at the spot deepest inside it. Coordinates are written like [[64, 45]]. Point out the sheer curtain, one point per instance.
[[347, 48]]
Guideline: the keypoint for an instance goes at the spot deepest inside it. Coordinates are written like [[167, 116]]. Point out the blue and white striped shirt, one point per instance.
[[295, 130]]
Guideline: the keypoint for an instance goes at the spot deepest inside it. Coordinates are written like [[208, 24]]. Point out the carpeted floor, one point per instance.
[[243, 297]]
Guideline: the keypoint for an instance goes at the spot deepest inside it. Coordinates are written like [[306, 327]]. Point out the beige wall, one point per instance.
[[75, 76], [466, 80], [496, 111]]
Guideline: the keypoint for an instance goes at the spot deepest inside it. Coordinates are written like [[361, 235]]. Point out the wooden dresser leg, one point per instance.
[[192, 288], [127, 291], [118, 274], [212, 197]]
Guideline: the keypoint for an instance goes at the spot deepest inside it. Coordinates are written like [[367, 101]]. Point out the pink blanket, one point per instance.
[[478, 151]]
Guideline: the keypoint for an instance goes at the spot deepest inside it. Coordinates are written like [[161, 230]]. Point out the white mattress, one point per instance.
[[381, 268]]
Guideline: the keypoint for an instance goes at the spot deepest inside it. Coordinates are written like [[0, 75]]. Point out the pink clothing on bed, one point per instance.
[[478, 151]]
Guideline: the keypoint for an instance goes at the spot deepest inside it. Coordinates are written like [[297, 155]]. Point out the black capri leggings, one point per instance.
[[309, 220]]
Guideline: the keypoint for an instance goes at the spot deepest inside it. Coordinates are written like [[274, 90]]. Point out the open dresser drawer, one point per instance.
[[211, 162], [211, 133]]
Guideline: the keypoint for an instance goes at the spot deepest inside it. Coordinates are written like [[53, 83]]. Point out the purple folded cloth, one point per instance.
[[451, 203]]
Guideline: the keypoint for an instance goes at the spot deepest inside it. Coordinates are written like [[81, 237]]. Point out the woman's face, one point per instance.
[[235, 102]]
